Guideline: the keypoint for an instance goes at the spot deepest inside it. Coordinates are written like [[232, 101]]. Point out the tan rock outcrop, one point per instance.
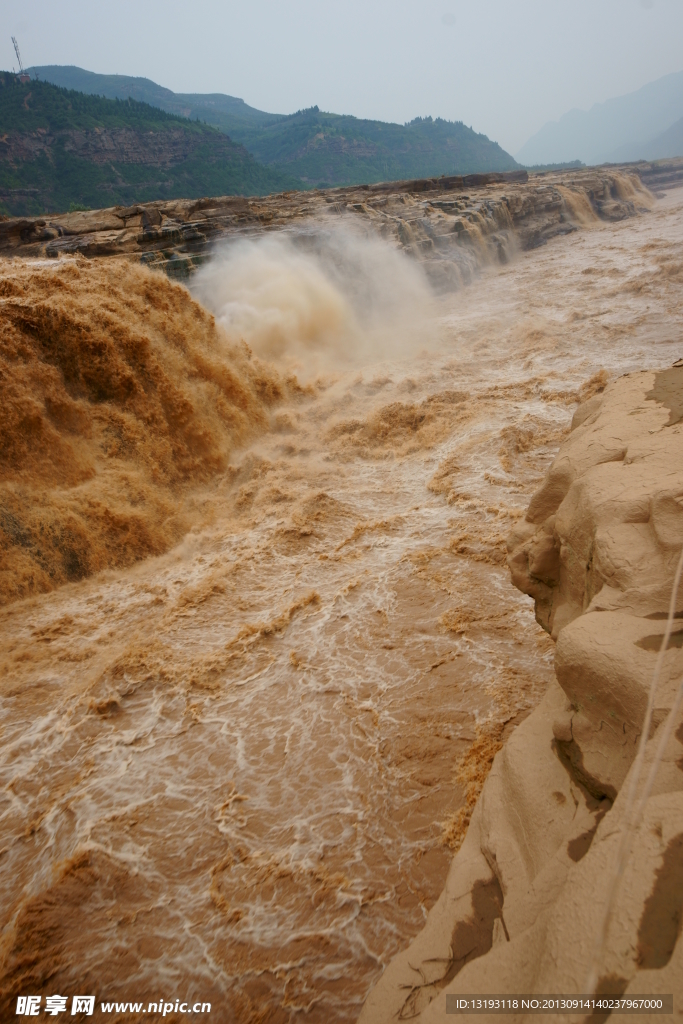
[[451, 225], [526, 892]]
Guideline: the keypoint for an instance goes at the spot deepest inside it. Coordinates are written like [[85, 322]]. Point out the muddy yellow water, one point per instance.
[[235, 772]]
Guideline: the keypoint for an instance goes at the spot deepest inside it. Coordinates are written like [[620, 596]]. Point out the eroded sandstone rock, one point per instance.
[[452, 225], [597, 552]]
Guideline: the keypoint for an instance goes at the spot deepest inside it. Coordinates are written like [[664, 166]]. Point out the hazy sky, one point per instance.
[[503, 67]]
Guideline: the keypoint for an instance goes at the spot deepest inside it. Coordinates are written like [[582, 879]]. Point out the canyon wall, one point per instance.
[[452, 225], [525, 895]]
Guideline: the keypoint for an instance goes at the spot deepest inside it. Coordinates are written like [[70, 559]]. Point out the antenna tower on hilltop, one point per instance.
[[23, 77]]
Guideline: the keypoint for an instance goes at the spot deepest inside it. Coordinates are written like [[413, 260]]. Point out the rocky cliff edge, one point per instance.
[[526, 892]]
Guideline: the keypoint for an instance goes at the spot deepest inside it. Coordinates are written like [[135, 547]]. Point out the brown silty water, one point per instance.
[[236, 771]]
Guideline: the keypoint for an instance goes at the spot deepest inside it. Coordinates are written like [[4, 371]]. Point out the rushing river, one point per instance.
[[232, 773]]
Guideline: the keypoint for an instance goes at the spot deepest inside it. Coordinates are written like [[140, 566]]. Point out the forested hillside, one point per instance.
[[61, 149], [319, 148]]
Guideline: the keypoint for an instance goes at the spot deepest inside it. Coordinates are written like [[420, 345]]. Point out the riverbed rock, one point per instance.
[[451, 225], [523, 902]]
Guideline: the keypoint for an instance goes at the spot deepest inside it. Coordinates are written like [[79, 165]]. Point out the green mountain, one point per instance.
[[333, 149], [319, 148], [124, 87], [60, 148]]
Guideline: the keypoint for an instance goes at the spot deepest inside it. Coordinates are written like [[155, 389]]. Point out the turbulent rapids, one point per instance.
[[120, 394], [259, 645]]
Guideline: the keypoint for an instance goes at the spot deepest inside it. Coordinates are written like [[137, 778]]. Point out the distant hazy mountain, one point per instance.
[[320, 149], [669, 143], [625, 128]]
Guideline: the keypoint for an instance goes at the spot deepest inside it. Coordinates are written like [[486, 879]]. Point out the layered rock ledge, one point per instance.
[[524, 897], [452, 225]]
